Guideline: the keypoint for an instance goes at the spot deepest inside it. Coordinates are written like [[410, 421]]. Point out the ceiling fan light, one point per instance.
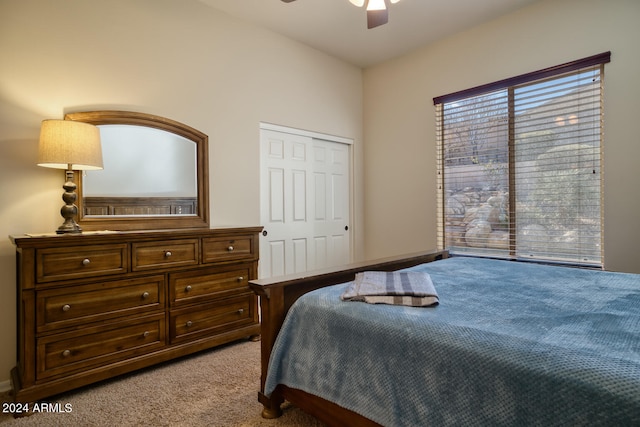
[[376, 5], [394, 1], [358, 3]]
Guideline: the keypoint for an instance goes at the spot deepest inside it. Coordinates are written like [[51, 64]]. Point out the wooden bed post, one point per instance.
[[272, 312]]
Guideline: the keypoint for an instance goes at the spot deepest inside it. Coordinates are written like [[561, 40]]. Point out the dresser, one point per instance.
[[96, 305]]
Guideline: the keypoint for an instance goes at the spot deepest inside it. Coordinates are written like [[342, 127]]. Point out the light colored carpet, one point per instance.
[[217, 388]]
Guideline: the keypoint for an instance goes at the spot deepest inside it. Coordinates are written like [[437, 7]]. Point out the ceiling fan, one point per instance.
[[377, 13]]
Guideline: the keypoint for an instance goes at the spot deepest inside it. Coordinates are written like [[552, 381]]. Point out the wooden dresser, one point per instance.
[[96, 305]]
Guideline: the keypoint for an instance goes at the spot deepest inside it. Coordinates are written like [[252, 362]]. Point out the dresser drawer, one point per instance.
[[63, 354], [210, 319], [76, 262], [206, 285], [83, 304], [168, 253], [216, 249]]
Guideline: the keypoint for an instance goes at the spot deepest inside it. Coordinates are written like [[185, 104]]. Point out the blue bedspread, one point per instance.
[[511, 344]]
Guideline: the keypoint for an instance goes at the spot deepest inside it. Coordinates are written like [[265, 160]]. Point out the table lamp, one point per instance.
[[70, 145]]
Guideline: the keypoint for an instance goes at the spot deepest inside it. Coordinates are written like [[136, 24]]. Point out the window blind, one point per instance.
[[519, 167]]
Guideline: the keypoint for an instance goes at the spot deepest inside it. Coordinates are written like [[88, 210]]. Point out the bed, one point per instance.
[[510, 343]]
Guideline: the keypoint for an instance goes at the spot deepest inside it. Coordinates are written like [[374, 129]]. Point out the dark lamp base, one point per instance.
[[69, 210], [69, 228]]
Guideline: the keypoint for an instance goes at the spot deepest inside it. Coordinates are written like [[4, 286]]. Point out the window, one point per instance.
[[519, 166]]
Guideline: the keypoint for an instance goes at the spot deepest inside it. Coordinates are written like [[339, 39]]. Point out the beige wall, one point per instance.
[[400, 127], [174, 58]]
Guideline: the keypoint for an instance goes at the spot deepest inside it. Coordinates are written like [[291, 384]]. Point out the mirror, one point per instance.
[[155, 174], [159, 166]]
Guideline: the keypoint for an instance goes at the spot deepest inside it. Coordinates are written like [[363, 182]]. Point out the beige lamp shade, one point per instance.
[[68, 144]]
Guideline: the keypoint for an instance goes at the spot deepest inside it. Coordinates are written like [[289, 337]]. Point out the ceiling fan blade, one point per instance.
[[375, 18], [288, 1]]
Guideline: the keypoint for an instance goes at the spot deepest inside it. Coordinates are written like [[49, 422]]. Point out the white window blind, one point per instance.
[[519, 166]]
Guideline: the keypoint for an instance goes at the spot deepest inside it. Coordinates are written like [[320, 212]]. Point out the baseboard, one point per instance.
[[5, 386]]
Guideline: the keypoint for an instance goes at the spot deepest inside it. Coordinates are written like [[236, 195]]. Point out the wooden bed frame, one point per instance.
[[139, 206], [276, 297]]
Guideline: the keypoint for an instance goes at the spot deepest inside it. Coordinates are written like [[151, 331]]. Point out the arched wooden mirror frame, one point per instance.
[[154, 222]]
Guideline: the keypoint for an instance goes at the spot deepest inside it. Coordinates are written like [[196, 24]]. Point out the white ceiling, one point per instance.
[[340, 28]]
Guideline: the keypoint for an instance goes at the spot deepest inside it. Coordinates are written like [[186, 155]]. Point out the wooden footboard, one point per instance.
[[277, 294]]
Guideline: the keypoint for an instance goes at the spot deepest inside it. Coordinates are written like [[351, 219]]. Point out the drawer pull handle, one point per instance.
[[145, 295], [230, 248], [86, 261], [188, 288], [189, 323], [167, 254], [66, 353], [146, 334], [240, 279], [240, 311], [66, 307]]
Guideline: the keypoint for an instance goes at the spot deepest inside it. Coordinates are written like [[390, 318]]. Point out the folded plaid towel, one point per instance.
[[399, 288]]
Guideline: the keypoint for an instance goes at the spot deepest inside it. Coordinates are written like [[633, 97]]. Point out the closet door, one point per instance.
[[305, 203]]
